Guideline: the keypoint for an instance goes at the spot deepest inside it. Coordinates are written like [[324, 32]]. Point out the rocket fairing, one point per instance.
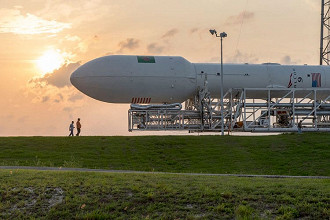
[[173, 79]]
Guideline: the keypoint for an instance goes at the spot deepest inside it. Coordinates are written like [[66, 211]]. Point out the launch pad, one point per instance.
[[279, 111]]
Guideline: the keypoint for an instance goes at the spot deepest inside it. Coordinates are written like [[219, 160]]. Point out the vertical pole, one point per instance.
[[129, 121], [297, 121], [146, 121], [293, 125], [231, 110], [269, 99], [253, 109], [315, 108], [222, 119], [244, 119], [322, 28], [328, 34]]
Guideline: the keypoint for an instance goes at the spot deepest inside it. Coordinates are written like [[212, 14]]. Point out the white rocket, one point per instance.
[[173, 79]]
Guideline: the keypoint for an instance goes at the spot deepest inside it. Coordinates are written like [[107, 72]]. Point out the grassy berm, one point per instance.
[[288, 154], [89, 195]]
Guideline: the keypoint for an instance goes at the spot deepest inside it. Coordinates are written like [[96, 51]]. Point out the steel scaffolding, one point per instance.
[[280, 111]]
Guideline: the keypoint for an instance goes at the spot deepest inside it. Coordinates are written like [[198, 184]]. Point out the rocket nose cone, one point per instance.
[[79, 79], [74, 78]]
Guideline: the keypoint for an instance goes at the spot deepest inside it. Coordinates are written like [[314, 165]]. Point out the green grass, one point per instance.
[[88, 195], [288, 154]]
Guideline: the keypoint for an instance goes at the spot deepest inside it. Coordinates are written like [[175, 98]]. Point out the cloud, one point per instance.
[[60, 96], [193, 30], [9, 117], [54, 91], [287, 60], [23, 119], [12, 21], [240, 57], [154, 48], [54, 96], [199, 32], [59, 78], [314, 4], [45, 99], [67, 109], [72, 38], [170, 33], [129, 43], [244, 16], [84, 45], [75, 97], [78, 12]]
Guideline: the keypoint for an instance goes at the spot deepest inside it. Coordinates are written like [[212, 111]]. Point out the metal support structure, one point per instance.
[[282, 114], [325, 28], [280, 111]]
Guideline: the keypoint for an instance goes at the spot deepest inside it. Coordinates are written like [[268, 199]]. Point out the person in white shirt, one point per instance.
[[71, 128]]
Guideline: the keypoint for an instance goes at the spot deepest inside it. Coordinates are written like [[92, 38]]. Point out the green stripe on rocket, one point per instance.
[[146, 59]]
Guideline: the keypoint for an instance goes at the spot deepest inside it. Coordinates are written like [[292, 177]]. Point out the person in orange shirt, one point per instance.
[[78, 125]]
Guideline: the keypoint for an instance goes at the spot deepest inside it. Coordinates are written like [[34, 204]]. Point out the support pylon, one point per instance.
[[325, 33]]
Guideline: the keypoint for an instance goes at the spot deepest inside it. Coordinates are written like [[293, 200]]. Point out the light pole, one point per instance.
[[221, 35]]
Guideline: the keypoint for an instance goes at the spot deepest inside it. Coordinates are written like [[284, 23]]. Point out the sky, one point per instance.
[[43, 41]]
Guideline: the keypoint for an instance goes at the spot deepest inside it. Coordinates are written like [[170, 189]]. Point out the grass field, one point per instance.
[[288, 154], [88, 195]]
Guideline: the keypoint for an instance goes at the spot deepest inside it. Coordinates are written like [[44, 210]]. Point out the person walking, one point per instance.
[[71, 127], [78, 127]]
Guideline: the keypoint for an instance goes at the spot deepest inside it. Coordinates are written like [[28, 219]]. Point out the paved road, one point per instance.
[[144, 172]]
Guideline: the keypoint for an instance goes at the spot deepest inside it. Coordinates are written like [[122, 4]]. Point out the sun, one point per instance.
[[50, 61]]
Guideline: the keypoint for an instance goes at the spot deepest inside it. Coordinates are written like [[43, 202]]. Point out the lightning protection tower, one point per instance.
[[325, 32]]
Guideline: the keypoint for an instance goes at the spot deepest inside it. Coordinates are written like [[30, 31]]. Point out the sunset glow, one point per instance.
[[43, 42], [50, 61]]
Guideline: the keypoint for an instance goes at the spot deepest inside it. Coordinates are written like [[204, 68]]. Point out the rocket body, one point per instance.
[[173, 79]]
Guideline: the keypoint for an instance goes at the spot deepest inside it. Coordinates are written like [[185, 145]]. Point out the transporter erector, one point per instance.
[[155, 86]]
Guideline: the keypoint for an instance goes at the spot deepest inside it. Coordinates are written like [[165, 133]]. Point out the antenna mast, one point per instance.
[[325, 27]]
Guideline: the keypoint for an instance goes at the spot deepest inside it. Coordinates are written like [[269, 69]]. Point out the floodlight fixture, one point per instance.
[[223, 34], [213, 32]]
